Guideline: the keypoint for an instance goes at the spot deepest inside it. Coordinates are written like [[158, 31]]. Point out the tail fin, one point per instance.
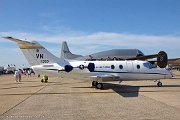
[[35, 53], [66, 54]]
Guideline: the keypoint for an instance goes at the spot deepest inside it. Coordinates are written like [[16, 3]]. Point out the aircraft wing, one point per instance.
[[160, 54], [144, 57], [162, 58], [19, 41]]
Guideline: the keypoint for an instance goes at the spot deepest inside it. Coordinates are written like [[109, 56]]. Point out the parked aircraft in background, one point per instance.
[[43, 62], [114, 54], [174, 64]]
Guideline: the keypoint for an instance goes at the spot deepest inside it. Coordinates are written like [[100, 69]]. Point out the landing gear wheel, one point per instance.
[[94, 83], [159, 84], [99, 86]]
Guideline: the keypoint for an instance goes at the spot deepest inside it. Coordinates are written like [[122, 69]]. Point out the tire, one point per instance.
[[99, 86], [159, 84]]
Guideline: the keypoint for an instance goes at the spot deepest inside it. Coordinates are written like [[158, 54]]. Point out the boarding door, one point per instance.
[[129, 66]]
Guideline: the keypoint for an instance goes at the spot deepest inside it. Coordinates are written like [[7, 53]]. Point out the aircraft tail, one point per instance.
[[35, 53], [65, 52]]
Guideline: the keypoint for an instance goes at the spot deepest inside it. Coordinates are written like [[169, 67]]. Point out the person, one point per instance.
[[29, 72], [16, 76], [19, 75]]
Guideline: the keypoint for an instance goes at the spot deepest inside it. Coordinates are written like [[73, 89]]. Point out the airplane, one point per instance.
[[114, 54], [44, 62], [174, 64]]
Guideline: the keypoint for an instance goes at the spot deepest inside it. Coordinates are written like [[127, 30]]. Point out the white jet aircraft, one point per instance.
[[43, 62]]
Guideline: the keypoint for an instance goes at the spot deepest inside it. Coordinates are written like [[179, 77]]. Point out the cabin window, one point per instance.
[[112, 66], [138, 66], [120, 67]]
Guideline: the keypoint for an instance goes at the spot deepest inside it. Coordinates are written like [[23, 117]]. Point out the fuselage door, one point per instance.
[[129, 66]]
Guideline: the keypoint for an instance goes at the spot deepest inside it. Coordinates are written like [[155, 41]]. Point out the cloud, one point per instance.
[[85, 43]]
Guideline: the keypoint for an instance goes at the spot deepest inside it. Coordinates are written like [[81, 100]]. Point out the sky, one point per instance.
[[89, 26]]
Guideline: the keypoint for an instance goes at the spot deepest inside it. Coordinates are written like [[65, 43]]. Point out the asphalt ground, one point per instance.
[[75, 99]]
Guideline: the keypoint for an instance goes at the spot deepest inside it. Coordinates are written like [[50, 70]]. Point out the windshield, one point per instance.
[[149, 65]]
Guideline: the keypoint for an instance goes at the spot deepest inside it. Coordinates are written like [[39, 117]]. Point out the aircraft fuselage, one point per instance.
[[123, 70]]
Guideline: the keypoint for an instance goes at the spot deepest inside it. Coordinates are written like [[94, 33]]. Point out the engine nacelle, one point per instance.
[[162, 60], [68, 68]]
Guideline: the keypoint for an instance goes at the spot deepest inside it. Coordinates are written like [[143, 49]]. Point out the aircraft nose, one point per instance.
[[170, 74]]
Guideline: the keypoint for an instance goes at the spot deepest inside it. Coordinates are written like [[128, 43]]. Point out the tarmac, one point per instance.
[[75, 99]]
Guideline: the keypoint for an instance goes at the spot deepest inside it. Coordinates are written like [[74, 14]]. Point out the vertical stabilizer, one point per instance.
[[65, 52], [35, 53]]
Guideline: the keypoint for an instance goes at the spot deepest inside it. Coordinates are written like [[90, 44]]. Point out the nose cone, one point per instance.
[[170, 74]]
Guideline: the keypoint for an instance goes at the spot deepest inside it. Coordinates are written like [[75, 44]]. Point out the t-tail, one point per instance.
[[35, 53], [65, 52]]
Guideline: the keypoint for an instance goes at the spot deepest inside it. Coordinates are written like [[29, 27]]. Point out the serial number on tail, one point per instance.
[[44, 61]]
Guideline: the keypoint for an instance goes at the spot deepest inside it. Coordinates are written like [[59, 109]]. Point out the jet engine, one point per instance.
[[68, 68], [162, 59]]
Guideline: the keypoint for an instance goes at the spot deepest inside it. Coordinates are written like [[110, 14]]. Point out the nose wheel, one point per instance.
[[159, 84]]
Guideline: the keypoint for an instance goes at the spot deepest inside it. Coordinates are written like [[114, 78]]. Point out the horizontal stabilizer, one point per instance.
[[19, 41]]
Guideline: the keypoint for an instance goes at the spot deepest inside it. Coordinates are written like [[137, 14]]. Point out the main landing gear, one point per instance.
[[159, 83], [97, 85]]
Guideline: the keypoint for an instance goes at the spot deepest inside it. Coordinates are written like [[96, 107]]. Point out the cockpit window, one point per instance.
[[149, 65]]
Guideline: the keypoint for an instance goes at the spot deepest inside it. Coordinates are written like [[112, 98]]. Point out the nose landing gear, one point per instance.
[[159, 83]]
